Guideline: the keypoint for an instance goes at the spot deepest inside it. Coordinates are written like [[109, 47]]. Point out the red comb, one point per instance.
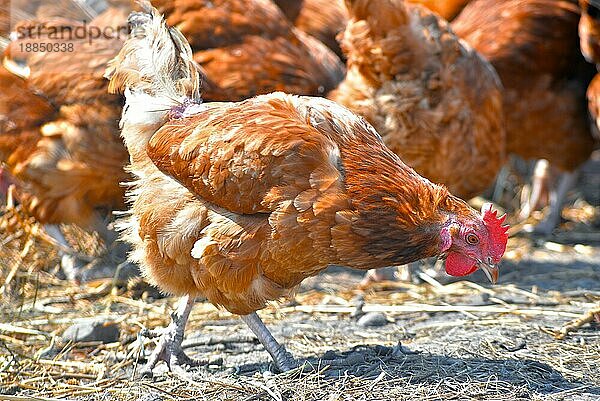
[[498, 232]]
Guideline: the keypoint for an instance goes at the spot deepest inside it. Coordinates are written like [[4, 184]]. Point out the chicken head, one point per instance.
[[470, 244]]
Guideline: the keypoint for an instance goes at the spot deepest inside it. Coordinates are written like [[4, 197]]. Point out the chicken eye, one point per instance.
[[472, 239]]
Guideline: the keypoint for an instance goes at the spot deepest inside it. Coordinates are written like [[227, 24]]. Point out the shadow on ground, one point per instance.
[[377, 363]]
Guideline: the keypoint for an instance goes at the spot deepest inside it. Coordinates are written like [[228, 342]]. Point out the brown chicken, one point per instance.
[[59, 134], [248, 47], [240, 202], [436, 103], [533, 45]]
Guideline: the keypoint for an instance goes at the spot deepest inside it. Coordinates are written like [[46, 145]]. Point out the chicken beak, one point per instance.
[[491, 271]]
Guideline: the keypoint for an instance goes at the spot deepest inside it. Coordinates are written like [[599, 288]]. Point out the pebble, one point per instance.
[[92, 331], [373, 319], [477, 299]]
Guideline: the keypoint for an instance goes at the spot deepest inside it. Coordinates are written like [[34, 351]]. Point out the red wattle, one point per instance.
[[458, 264]]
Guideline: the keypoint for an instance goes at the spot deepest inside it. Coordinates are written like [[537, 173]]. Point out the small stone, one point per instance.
[[373, 319], [357, 313], [358, 299], [477, 299], [92, 331]]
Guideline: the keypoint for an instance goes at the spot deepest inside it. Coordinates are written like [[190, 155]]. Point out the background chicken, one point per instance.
[[325, 19], [533, 45], [242, 201], [589, 32], [249, 47], [59, 134], [436, 103]]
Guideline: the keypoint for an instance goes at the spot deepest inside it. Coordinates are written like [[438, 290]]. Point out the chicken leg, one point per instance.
[[538, 184], [557, 200], [169, 347], [283, 359], [69, 262], [73, 265], [377, 276]]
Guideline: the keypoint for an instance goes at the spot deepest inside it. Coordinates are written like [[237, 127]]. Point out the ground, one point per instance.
[[458, 341]]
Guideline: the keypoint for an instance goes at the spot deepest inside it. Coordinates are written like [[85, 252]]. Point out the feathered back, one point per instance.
[[522, 36], [156, 60], [382, 16]]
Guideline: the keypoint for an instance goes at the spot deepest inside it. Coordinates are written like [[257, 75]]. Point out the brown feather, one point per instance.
[[593, 97], [533, 45], [248, 48], [447, 9], [66, 154], [321, 19]]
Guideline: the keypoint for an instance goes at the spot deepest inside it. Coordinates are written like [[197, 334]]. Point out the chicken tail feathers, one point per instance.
[[156, 61]]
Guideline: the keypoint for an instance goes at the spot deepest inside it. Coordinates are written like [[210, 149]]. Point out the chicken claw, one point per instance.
[[169, 347], [282, 358]]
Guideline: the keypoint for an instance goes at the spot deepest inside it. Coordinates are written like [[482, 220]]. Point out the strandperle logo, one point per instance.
[[75, 30], [50, 24]]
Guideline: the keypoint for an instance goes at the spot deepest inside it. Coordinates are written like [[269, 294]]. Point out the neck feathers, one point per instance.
[[397, 214], [155, 71]]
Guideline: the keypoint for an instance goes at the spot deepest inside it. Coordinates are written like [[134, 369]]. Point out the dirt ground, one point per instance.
[[464, 340]]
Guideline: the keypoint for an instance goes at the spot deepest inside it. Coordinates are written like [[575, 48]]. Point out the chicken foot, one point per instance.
[[169, 347], [283, 359]]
